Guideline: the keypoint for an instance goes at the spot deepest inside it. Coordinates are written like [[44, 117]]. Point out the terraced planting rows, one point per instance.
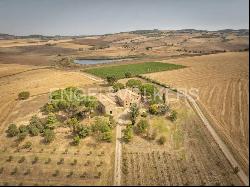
[[52, 166]]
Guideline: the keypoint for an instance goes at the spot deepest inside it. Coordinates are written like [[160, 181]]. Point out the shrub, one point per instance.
[[74, 124], [128, 74], [61, 161], [33, 130], [1, 170], [83, 131], [22, 135], [37, 122], [21, 160], [74, 162], [70, 174], [106, 136], [10, 159], [151, 134], [133, 112], [48, 161], [127, 134], [49, 136], [23, 128], [76, 140], [111, 80], [48, 108], [27, 145], [23, 95], [133, 83], [153, 109], [158, 109], [14, 171], [162, 140], [56, 173], [141, 127], [144, 114], [173, 115], [12, 130], [27, 172], [35, 160], [51, 121], [118, 86]]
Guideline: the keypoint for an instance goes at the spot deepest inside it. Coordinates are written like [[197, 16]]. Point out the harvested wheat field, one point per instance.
[[37, 82], [222, 83]]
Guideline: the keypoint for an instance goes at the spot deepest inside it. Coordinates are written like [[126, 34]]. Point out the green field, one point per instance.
[[135, 69]]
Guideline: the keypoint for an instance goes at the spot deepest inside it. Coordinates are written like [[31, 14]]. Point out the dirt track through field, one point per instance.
[[118, 156], [218, 140]]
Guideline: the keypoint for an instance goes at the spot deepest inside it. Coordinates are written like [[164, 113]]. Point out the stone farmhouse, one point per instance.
[[126, 97]]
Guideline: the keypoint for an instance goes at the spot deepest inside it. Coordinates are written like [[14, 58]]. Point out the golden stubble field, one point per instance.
[[222, 83]]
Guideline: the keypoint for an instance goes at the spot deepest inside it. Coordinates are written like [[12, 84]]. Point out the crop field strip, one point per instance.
[[135, 69]]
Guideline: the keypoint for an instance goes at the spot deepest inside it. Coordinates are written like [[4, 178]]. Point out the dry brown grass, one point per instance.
[[222, 82]]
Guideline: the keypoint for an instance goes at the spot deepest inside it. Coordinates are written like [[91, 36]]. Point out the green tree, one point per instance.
[[49, 135], [118, 86], [127, 134], [90, 103], [111, 80], [51, 121], [12, 130], [102, 129], [133, 112], [72, 102], [148, 90], [133, 83]]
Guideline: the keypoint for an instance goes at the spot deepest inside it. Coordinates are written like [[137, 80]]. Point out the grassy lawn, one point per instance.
[[134, 69]]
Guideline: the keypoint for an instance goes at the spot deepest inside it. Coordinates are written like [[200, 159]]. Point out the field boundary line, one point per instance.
[[10, 75]]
